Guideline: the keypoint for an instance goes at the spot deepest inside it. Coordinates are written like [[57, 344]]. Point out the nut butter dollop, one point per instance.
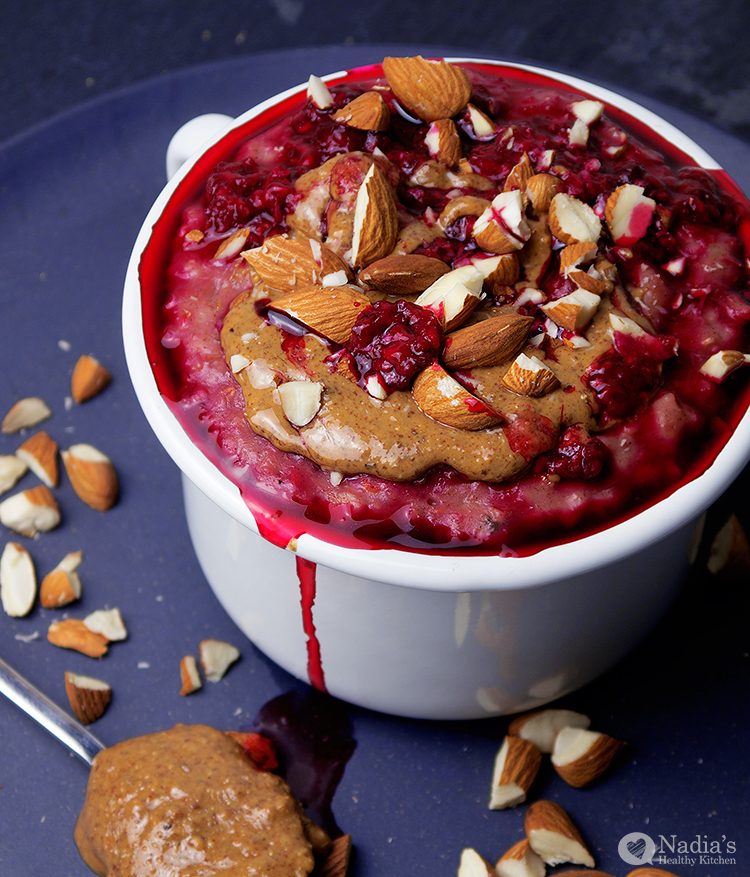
[[189, 802]]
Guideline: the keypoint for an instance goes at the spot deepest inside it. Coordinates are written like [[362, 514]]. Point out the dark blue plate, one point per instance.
[[74, 192]]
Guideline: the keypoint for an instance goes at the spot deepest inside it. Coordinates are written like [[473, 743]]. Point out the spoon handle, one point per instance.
[[32, 701]]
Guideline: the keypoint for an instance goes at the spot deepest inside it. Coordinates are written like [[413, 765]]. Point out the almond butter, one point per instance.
[[541, 189], [367, 112], [553, 836], [443, 142], [17, 580], [572, 220], [442, 398], [290, 264], [27, 412], [89, 378], [520, 861], [72, 633], [543, 726], [189, 675], [33, 511], [432, 90], [329, 311], [92, 476], [487, 342], [88, 697], [463, 205], [516, 765], [39, 452], [62, 585], [401, 275], [375, 229], [529, 376], [580, 756]]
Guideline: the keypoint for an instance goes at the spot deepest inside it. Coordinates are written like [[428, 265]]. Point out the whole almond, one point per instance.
[[442, 398], [432, 90], [488, 342], [89, 378], [329, 311], [92, 476], [400, 275], [367, 112], [290, 264], [375, 220]]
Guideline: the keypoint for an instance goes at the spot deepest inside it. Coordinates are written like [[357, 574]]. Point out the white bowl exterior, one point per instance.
[[629, 551]]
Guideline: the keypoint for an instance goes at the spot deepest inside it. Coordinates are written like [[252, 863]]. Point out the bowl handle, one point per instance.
[[191, 136]]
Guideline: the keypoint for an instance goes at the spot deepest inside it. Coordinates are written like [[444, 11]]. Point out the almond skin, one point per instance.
[[336, 862], [553, 836], [368, 112], [89, 378], [541, 189], [409, 274], [442, 398], [331, 310], [488, 342], [516, 766], [448, 146], [88, 697], [290, 264], [519, 175], [432, 90]]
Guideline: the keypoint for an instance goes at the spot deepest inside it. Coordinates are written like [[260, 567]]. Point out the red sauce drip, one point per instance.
[[307, 588]]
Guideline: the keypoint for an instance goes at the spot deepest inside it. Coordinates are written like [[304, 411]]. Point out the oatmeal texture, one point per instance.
[[187, 802]]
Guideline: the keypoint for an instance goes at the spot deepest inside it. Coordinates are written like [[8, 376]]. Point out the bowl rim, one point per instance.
[[431, 569]]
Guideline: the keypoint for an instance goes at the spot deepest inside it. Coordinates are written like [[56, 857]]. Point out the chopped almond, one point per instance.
[[17, 580], [216, 658], [72, 633], [62, 585], [39, 452], [189, 675], [88, 697], [89, 378], [25, 413], [33, 511]]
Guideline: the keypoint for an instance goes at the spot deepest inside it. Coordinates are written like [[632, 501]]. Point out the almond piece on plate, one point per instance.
[[520, 861], [541, 189], [442, 398], [17, 580], [488, 342], [432, 90], [730, 551], [581, 756], [443, 142], [300, 400], [26, 412], [290, 264], [453, 296], [62, 585], [88, 697], [723, 363], [319, 93], [529, 376], [572, 220], [92, 476], [502, 228], [516, 765], [72, 633], [33, 511], [573, 311], [367, 112], [628, 213], [407, 274], [336, 862], [375, 227], [189, 675], [89, 378], [39, 452], [472, 864], [11, 470], [553, 836], [543, 726], [330, 311], [107, 622], [216, 658]]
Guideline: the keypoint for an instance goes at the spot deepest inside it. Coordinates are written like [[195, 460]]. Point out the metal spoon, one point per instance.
[[32, 701]]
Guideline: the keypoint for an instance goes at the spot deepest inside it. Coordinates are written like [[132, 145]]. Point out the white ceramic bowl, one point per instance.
[[419, 634]]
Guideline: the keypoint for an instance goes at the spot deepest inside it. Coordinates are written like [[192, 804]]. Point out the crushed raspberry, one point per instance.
[[239, 192], [394, 341], [578, 455]]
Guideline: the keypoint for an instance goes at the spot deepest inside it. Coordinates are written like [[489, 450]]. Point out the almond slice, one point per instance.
[[723, 363], [92, 476], [573, 311], [554, 837], [336, 862], [72, 633], [628, 213], [541, 189], [300, 401], [472, 864], [520, 861], [488, 342], [580, 756], [432, 90], [367, 112], [331, 311], [17, 580], [319, 93], [571, 220], [88, 697], [453, 296], [89, 378], [232, 245], [25, 413], [62, 585], [542, 726], [443, 143], [12, 469], [502, 228], [401, 275], [290, 264], [107, 622], [216, 657], [529, 376], [189, 675], [375, 227], [39, 452], [33, 511], [442, 398], [516, 765]]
